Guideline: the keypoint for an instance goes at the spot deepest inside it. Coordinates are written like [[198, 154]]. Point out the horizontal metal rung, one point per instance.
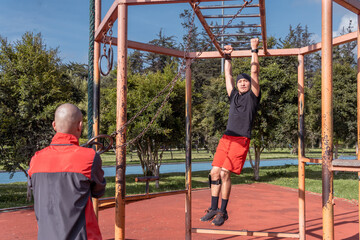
[[345, 163], [237, 26], [227, 6], [237, 42], [231, 16], [238, 34]]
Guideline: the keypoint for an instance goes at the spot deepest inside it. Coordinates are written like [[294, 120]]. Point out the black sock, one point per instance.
[[224, 203], [214, 203]]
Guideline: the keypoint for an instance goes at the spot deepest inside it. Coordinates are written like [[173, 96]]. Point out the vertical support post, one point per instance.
[[96, 104], [188, 151], [121, 119], [301, 146], [327, 120], [358, 104], [90, 82], [222, 39]]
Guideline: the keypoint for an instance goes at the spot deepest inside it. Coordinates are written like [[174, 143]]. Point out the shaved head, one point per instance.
[[68, 119]]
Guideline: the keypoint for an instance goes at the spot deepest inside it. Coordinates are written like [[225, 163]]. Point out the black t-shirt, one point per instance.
[[242, 112]]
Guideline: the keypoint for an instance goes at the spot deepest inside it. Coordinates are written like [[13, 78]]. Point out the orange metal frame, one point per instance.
[[118, 11]]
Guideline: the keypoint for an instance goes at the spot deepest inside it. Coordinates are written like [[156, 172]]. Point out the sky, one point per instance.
[[65, 24]]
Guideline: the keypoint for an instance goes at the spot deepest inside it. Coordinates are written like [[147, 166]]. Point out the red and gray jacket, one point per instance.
[[63, 178]]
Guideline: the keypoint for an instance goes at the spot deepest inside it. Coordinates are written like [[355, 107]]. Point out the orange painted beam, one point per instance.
[[110, 17], [336, 41], [352, 5], [263, 24], [247, 53], [327, 127], [246, 233], [149, 48], [241, 53], [202, 20]]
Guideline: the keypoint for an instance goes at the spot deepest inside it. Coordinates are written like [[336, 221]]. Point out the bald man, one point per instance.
[[63, 178]]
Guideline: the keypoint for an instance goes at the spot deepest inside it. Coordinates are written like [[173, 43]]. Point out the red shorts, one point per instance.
[[231, 153]]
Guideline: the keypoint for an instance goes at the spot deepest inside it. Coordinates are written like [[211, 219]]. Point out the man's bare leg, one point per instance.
[[215, 181], [225, 183], [215, 176], [225, 188], [222, 215]]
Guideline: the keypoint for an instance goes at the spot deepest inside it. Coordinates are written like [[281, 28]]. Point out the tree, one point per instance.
[[156, 62], [212, 118], [344, 98], [202, 71], [32, 84], [136, 62], [168, 128], [276, 121]]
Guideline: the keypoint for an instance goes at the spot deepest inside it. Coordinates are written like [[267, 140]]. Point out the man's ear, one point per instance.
[[54, 125], [80, 125]]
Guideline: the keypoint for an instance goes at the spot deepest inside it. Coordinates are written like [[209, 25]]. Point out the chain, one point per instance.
[[109, 55], [170, 85]]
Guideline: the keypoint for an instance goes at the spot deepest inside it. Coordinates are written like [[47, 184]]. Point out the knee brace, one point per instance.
[[217, 182]]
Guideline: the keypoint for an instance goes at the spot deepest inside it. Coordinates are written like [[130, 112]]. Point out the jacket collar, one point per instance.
[[64, 138]]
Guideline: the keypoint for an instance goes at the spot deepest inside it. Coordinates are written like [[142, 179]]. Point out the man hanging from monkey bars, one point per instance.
[[233, 147]]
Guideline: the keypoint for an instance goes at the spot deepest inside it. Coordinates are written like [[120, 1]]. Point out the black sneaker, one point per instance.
[[220, 218], [210, 214]]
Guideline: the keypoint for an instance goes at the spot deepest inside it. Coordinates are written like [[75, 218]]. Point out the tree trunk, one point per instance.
[[23, 170], [336, 149], [250, 158], [257, 150]]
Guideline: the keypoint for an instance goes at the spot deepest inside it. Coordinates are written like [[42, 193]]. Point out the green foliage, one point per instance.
[[214, 113], [344, 105], [156, 62], [142, 89], [168, 128], [32, 83]]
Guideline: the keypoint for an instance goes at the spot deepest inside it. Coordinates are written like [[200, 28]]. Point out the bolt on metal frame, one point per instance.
[[119, 11]]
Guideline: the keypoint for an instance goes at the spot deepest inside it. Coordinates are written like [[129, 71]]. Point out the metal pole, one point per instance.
[[96, 104], [188, 151], [222, 39], [301, 147], [120, 121], [327, 120], [90, 82], [358, 105]]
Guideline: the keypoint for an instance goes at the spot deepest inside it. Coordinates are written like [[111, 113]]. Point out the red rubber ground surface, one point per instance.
[[254, 207]]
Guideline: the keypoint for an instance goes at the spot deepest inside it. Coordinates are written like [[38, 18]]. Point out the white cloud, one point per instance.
[[349, 18]]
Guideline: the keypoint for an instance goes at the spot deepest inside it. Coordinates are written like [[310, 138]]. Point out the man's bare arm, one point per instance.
[[255, 87], [228, 70]]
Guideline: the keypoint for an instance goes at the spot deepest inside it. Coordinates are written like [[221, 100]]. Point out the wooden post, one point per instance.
[[188, 152], [327, 120], [301, 147], [96, 104], [120, 121]]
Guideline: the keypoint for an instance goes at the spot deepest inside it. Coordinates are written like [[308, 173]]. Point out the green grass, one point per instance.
[[345, 184], [205, 156], [109, 158]]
